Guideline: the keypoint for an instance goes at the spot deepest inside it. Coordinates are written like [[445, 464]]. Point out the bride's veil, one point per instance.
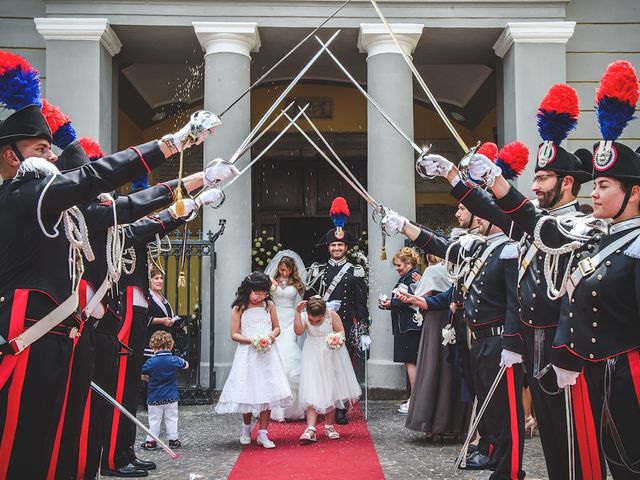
[[272, 267]]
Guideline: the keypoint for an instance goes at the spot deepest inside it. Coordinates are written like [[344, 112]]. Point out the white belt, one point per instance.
[[94, 308]]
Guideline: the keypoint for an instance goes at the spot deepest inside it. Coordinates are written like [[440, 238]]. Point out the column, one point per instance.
[[227, 59], [80, 74], [533, 59], [391, 176]]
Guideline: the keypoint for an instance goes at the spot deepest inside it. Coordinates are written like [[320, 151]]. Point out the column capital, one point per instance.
[[228, 37], [92, 29], [374, 38], [533, 32]]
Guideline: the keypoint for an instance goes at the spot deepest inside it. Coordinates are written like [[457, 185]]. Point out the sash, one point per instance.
[[336, 281], [479, 263], [526, 261], [588, 265]]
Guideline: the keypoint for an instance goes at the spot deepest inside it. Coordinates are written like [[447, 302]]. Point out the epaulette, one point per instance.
[[509, 251], [633, 250], [358, 270]]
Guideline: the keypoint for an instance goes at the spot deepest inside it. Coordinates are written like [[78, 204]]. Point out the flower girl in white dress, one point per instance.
[[257, 382], [327, 380]]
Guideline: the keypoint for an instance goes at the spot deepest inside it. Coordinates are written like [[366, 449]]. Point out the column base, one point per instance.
[[385, 374]]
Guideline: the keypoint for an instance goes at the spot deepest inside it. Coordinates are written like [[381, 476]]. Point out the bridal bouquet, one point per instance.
[[262, 343], [335, 340]]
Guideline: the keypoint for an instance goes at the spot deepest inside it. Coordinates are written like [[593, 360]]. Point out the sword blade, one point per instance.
[[285, 93], [132, 417], [266, 74], [476, 422], [569, 419], [371, 100], [420, 80]]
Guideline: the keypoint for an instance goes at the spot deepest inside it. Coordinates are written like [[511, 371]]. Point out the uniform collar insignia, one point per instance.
[[340, 262], [624, 225], [567, 208]]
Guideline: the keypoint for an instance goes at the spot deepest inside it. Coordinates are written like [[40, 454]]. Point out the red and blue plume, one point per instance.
[[19, 82], [60, 125], [616, 98], [558, 113], [512, 159], [339, 212], [91, 148], [489, 150]]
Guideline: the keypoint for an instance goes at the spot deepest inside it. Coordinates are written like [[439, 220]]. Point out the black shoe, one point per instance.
[[143, 464], [128, 471], [174, 444], [476, 461], [149, 445], [341, 416], [472, 448]]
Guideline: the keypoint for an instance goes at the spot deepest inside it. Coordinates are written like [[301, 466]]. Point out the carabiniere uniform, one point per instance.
[[69, 458], [599, 335], [532, 332], [489, 299], [121, 432], [35, 280]]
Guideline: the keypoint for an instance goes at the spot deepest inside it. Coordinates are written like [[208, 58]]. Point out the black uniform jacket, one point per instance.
[[536, 309], [401, 313], [601, 320], [351, 291], [35, 268], [491, 298]]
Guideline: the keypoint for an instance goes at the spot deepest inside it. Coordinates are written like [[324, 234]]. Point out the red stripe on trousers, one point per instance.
[[123, 336], [513, 421], [585, 430], [17, 365], [53, 462], [84, 438], [634, 366]]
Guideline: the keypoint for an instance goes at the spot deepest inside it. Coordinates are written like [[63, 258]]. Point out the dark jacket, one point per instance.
[[401, 313]]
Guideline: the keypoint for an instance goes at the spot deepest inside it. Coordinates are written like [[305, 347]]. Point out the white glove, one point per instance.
[[218, 172], [365, 342], [212, 196], [467, 241], [565, 377], [201, 124], [434, 165], [481, 168], [393, 223], [190, 206], [509, 358]]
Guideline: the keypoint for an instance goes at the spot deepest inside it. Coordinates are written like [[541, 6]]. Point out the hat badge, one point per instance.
[[546, 153], [339, 234], [605, 156]]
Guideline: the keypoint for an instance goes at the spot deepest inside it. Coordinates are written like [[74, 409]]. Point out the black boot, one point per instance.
[[341, 416], [128, 471], [138, 462], [477, 461]]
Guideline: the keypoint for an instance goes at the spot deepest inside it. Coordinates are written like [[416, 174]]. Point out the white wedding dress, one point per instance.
[[286, 299]]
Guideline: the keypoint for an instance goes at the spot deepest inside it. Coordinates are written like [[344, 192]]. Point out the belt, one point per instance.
[[487, 332]]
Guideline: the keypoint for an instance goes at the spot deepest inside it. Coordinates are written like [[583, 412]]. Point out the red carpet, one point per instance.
[[351, 457]]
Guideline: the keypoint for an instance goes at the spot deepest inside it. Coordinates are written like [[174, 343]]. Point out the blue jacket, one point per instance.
[[401, 313], [163, 369]]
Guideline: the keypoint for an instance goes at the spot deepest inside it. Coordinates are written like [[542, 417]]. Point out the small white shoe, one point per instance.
[[245, 440], [404, 408], [265, 442]]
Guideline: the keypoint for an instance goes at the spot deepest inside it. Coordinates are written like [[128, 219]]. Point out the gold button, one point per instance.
[[595, 324], [593, 340]]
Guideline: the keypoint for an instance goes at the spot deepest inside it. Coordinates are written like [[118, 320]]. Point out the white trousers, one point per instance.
[[169, 412]]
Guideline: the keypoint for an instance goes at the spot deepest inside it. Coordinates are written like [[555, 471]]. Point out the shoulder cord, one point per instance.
[[455, 271], [155, 249], [129, 264], [553, 255]]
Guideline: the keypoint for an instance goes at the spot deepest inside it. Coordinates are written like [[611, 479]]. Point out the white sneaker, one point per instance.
[[404, 408], [265, 442], [245, 440]]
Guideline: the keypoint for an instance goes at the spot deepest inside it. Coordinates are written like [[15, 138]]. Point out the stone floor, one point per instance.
[[210, 448]]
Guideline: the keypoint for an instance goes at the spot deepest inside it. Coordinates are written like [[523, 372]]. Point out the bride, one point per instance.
[[288, 271]]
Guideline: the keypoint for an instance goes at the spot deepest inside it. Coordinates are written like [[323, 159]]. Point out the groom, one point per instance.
[[338, 280]]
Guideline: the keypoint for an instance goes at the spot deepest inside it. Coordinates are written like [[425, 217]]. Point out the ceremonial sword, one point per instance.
[[133, 418], [422, 83], [264, 75]]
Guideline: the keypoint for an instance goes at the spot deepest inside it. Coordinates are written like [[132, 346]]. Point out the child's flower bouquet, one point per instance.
[[335, 340], [262, 343]]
